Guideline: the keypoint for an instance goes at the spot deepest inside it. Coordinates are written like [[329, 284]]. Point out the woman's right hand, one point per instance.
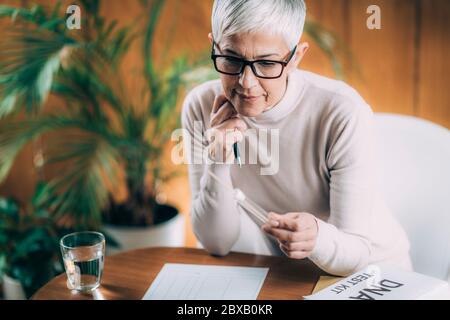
[[226, 129]]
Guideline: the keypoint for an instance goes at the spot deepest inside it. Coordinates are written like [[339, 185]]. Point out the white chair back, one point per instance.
[[415, 181]]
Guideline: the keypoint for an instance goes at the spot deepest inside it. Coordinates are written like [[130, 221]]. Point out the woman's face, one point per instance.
[[249, 94]]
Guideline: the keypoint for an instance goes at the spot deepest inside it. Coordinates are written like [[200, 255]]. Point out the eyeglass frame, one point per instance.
[[250, 63]]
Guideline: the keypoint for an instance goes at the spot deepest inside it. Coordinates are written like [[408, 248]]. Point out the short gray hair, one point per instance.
[[283, 17]]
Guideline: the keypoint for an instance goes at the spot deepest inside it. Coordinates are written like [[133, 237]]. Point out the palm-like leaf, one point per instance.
[[84, 194], [36, 15], [92, 159], [26, 75], [150, 72], [15, 134]]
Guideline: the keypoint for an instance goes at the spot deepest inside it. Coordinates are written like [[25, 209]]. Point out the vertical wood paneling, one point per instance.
[[386, 56], [434, 56], [330, 14], [193, 23]]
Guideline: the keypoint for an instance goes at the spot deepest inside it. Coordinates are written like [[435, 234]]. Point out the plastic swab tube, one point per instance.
[[251, 207]]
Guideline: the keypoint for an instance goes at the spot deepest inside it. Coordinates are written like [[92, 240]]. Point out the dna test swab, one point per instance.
[[251, 207]]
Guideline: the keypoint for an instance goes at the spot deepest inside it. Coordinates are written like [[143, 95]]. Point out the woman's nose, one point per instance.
[[247, 78]]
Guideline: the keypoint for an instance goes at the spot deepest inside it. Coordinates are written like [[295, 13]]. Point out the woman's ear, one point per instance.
[[302, 48], [210, 37]]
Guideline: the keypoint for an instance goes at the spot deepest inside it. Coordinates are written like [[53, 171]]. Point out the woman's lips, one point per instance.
[[248, 98]]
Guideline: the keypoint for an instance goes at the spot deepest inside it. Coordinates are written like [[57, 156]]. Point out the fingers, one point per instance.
[[297, 250], [233, 123], [293, 221], [295, 254], [220, 132], [218, 102], [290, 215], [220, 148], [298, 246], [289, 236], [287, 224], [296, 232], [224, 139], [225, 112], [224, 117], [228, 132]]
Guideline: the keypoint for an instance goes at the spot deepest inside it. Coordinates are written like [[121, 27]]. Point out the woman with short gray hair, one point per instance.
[[316, 176]]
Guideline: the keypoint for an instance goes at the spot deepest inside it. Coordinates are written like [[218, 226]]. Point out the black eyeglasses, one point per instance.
[[265, 69]]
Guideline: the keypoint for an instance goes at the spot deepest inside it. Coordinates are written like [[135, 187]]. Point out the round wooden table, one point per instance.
[[128, 275]]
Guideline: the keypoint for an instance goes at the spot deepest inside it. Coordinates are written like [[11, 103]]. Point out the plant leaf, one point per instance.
[[29, 61], [15, 134], [9, 207], [84, 193]]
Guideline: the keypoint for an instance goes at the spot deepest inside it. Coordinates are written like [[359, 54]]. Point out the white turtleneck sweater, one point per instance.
[[326, 168]]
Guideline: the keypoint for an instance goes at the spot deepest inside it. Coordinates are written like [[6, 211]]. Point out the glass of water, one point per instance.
[[83, 254]]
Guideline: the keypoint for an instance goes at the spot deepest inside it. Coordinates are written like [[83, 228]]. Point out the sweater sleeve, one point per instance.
[[342, 245], [214, 215]]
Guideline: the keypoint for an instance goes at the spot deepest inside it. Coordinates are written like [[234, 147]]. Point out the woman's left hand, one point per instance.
[[296, 232]]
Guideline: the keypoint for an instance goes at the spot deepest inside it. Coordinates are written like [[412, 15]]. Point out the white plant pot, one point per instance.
[[170, 233], [13, 289]]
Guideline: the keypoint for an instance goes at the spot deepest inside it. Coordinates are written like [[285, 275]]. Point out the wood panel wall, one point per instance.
[[402, 68]]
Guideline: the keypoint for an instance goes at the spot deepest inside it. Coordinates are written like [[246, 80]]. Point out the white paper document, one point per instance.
[[206, 282], [382, 282]]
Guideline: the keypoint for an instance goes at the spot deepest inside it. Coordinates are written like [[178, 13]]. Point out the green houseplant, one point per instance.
[[29, 249], [99, 129]]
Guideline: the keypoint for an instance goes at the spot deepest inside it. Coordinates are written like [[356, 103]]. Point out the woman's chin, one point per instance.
[[250, 110]]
